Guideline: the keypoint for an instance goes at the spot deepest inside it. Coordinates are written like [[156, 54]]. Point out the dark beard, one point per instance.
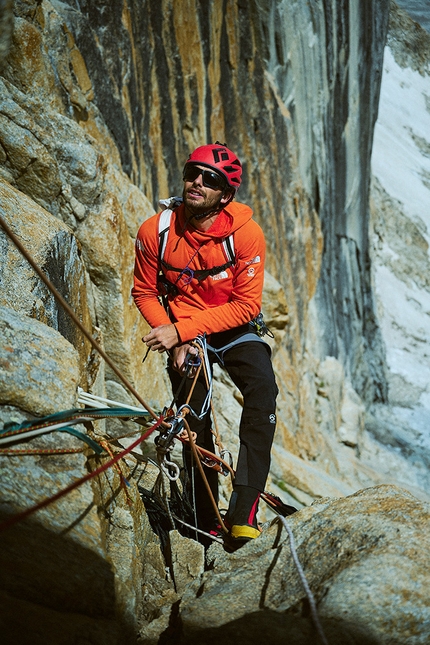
[[207, 207]]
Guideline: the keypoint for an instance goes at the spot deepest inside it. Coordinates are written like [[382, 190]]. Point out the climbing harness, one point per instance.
[[244, 338]]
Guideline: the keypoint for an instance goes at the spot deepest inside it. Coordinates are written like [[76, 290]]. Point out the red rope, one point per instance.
[[29, 511]]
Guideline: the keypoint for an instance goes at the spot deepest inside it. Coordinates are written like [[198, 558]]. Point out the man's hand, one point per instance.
[[162, 338], [179, 355]]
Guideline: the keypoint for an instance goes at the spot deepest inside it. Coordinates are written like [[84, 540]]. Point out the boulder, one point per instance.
[[57, 252], [364, 557], [38, 367], [188, 560]]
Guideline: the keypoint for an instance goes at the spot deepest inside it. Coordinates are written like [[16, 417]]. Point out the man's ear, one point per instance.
[[227, 196]]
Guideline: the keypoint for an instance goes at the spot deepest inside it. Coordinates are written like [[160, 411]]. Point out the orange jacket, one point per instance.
[[217, 303]]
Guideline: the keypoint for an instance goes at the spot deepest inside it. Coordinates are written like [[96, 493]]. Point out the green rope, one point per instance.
[[83, 437], [69, 415]]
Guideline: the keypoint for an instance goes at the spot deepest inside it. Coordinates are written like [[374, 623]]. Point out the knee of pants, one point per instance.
[[257, 425], [252, 416]]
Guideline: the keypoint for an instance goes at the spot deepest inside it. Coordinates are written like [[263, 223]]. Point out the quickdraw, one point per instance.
[[260, 326]]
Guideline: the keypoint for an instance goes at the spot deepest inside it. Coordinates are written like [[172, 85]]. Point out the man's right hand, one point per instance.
[[179, 354], [162, 338]]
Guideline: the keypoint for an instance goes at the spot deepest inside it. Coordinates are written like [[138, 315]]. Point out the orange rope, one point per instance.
[[39, 451], [117, 467], [194, 448]]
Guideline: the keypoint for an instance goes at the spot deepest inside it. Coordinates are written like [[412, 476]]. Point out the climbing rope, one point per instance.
[[312, 603], [93, 401], [63, 422], [125, 484], [14, 519], [39, 451], [194, 528], [204, 478]]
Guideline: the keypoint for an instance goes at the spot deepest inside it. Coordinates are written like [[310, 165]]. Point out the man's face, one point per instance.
[[198, 197]]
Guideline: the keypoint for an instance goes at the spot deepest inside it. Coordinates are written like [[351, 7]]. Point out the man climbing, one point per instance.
[[208, 261]]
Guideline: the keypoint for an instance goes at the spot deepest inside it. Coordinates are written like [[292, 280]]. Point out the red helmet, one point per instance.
[[220, 158]]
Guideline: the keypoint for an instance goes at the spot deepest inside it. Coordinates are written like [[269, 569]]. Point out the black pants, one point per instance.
[[250, 368]]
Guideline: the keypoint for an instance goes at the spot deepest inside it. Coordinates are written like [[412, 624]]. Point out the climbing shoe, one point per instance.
[[241, 517], [239, 535], [244, 532]]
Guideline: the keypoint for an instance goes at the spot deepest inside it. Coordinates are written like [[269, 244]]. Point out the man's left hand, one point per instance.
[[179, 362], [162, 338]]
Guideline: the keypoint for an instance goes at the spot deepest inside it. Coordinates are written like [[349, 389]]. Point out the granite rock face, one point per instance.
[[56, 250], [100, 104], [284, 84], [38, 367]]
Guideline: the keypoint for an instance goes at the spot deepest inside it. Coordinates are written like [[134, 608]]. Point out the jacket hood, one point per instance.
[[230, 219]]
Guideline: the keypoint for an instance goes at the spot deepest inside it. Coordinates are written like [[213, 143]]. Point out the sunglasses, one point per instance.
[[210, 179]]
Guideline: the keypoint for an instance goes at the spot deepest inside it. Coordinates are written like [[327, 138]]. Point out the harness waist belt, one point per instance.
[[219, 352]]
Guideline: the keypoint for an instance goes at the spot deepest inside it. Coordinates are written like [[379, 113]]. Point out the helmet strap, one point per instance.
[[206, 214]]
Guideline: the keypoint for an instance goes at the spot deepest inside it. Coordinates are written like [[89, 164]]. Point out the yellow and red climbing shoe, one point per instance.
[[239, 535]]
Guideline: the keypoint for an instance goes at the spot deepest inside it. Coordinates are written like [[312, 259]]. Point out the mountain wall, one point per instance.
[[100, 104], [400, 238]]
